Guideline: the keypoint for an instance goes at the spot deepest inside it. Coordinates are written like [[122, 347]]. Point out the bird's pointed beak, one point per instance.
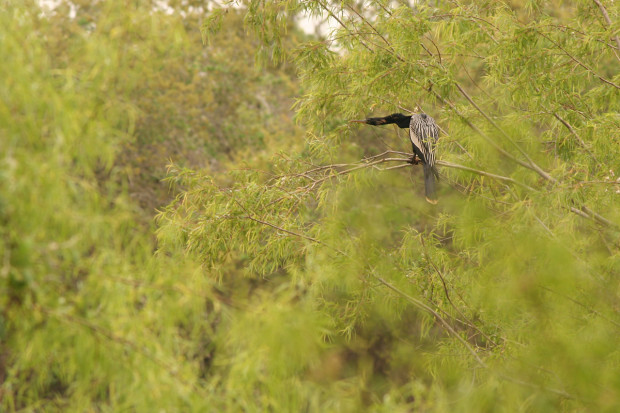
[[357, 121]]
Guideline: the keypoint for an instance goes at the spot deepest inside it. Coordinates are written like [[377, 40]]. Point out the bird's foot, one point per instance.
[[413, 160]]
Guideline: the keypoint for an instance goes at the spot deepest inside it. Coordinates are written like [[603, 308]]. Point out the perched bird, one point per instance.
[[423, 133]]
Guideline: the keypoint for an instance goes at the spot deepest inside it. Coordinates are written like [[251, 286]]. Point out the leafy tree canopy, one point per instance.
[[303, 271], [500, 295]]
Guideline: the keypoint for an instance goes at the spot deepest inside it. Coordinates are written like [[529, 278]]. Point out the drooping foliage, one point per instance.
[[294, 274], [95, 99], [504, 296]]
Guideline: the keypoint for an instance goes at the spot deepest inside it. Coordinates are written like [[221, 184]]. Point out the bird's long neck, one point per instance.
[[399, 119]]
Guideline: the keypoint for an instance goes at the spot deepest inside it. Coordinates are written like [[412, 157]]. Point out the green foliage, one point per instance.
[[308, 275], [77, 268], [92, 106], [501, 298]]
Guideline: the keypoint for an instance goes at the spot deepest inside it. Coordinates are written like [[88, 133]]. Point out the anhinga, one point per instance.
[[423, 133]]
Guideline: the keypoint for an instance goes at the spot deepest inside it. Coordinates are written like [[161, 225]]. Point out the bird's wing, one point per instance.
[[415, 134], [423, 136]]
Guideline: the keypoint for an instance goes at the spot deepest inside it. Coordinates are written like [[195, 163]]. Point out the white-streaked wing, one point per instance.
[[415, 140], [423, 133]]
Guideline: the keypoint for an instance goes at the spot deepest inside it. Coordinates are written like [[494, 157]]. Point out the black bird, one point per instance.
[[423, 133]]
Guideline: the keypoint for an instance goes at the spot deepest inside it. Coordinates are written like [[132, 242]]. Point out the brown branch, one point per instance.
[[490, 141], [608, 20], [483, 173], [435, 314], [545, 227], [587, 213], [532, 164], [439, 162], [436, 47], [342, 24], [368, 24], [373, 161], [578, 62], [383, 7], [390, 49], [599, 218], [394, 167], [447, 294], [572, 131], [573, 31], [292, 233], [580, 213]]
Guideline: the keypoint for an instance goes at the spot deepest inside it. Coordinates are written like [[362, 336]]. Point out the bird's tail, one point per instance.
[[429, 183]]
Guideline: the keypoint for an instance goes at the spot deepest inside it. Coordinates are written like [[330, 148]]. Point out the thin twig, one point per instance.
[[291, 233], [536, 386], [368, 24], [579, 62], [435, 314], [608, 20], [484, 173], [342, 24], [447, 294], [572, 131], [532, 164], [583, 306], [573, 31], [490, 141], [68, 318]]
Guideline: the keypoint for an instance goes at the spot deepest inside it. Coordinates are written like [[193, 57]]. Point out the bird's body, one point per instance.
[[423, 133]]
